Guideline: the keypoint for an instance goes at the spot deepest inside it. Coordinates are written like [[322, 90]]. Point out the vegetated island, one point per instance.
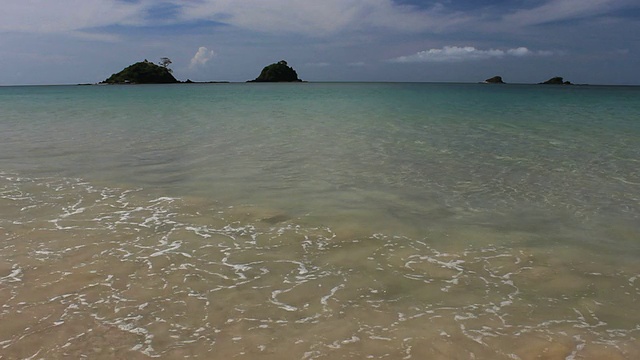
[[277, 72], [144, 72], [557, 80]]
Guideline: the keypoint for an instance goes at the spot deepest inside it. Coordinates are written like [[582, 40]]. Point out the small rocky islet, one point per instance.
[[556, 80], [494, 80]]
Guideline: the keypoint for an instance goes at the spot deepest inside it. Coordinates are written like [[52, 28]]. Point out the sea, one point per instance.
[[320, 221]]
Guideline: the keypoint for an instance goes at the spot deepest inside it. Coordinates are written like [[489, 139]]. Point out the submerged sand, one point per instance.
[[97, 272]]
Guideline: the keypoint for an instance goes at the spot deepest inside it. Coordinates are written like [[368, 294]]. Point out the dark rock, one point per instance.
[[278, 72], [494, 80], [143, 72], [556, 81]]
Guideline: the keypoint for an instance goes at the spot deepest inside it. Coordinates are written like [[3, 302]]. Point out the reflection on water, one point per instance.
[[96, 272]]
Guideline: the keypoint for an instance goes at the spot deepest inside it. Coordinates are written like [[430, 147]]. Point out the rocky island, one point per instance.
[[144, 72], [494, 80], [556, 81], [278, 72]]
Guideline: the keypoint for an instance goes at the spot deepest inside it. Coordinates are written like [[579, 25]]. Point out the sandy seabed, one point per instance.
[[94, 272]]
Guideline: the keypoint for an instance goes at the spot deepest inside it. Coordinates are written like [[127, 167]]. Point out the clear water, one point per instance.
[[311, 221]]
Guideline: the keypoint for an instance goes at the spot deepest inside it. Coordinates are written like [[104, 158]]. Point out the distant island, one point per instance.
[[278, 72], [144, 72], [556, 81], [494, 80]]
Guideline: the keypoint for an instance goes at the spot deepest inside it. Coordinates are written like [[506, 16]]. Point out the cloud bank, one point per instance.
[[560, 10], [36, 16], [466, 53], [312, 18], [307, 17], [320, 18]]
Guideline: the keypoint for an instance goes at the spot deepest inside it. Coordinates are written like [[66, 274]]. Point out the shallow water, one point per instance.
[[311, 221]]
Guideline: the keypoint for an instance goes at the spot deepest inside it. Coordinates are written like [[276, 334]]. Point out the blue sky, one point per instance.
[[524, 41]]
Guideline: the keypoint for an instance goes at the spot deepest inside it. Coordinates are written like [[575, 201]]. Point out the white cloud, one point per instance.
[[202, 56], [37, 16], [521, 51], [558, 10], [315, 18], [319, 18], [307, 17], [466, 53]]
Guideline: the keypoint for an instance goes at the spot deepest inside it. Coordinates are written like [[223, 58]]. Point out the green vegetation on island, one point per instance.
[[144, 72], [556, 81], [278, 72]]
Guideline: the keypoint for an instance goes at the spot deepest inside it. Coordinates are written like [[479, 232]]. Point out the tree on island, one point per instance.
[[278, 72], [165, 62]]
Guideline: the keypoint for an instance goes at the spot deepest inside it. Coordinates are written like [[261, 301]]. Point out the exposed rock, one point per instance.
[[494, 80], [143, 72], [556, 81], [278, 72]]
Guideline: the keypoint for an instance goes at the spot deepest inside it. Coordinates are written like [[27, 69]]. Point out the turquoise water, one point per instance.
[[320, 220]]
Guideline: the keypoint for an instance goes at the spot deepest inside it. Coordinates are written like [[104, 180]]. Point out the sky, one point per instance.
[[524, 41]]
